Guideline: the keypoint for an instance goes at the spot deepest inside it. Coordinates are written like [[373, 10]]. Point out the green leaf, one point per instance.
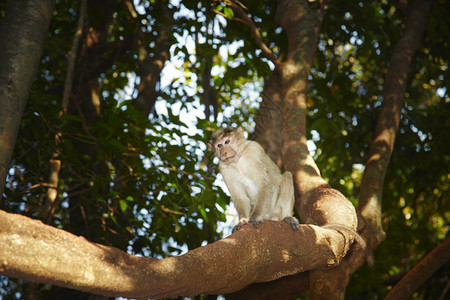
[[203, 212], [123, 205], [228, 12]]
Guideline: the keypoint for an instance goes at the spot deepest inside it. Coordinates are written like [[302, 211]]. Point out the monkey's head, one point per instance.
[[226, 143]]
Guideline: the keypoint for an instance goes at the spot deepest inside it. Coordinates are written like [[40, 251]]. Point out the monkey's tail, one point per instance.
[[358, 238]]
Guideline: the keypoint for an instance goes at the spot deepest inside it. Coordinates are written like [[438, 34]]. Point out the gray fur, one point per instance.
[[258, 189]]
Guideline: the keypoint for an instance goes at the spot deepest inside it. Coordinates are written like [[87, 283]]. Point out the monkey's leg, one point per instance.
[[286, 201]]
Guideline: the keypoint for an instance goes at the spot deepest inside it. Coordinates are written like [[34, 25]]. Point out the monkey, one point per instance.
[[258, 189]]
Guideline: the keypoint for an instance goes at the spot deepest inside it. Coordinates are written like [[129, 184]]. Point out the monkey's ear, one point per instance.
[[240, 133]]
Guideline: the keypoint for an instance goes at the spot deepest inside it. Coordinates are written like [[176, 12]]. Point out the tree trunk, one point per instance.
[[22, 36], [150, 66], [316, 202]]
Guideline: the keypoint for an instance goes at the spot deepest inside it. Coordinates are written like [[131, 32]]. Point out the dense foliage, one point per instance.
[[145, 183]]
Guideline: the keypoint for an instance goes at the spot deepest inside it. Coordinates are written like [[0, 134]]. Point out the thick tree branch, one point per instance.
[[40, 253], [370, 196]]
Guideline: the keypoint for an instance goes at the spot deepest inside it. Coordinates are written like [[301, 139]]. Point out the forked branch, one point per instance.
[[245, 19]]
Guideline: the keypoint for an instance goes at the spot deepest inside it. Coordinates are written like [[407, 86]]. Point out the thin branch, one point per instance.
[[52, 191], [245, 19], [73, 53], [131, 9], [43, 184], [220, 13], [51, 210], [421, 272], [55, 163]]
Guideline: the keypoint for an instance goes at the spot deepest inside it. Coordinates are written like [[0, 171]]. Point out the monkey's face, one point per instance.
[[226, 144], [226, 149]]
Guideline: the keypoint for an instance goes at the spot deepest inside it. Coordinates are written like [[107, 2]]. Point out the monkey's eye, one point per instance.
[[227, 142], [219, 145]]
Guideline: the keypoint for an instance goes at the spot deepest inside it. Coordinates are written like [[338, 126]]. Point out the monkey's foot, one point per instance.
[[256, 222], [293, 222], [236, 227], [239, 225]]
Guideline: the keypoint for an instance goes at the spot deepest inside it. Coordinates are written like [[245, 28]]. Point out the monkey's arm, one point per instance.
[[239, 195]]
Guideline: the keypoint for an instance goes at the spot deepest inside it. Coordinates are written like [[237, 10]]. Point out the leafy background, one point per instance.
[[147, 183]]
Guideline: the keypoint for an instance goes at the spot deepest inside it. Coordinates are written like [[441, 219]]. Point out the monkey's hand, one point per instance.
[[243, 221], [293, 222]]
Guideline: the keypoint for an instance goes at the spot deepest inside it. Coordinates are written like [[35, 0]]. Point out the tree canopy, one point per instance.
[[106, 109]]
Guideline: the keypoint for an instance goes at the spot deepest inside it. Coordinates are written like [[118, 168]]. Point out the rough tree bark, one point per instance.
[[284, 288], [316, 201], [41, 253], [24, 26]]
